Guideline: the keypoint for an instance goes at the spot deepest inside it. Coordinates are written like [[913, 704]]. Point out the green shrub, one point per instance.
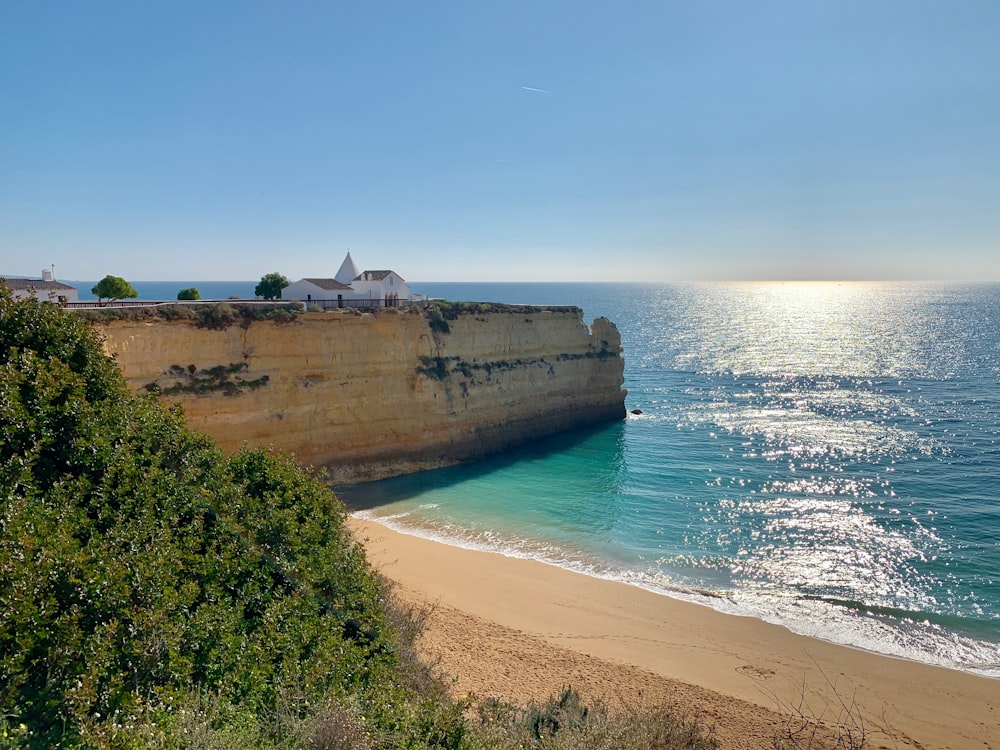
[[436, 321], [139, 568], [218, 379], [107, 314], [439, 312], [217, 317], [434, 367], [453, 310], [174, 312]]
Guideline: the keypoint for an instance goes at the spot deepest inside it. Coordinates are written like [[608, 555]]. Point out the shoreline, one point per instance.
[[691, 648], [698, 597]]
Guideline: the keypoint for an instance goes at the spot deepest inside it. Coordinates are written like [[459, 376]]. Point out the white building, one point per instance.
[[46, 289], [350, 288]]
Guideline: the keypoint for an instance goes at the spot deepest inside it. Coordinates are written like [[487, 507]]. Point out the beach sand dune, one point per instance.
[[522, 630]]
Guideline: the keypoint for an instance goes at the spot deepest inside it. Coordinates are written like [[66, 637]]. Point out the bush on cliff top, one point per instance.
[[215, 315], [452, 310]]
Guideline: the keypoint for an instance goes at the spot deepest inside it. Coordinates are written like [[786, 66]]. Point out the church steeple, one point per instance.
[[348, 271]]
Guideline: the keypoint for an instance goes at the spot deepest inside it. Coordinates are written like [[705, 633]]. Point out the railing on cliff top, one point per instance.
[[310, 305]]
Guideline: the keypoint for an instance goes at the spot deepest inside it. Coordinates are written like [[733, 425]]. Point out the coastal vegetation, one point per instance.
[[191, 293], [439, 312], [270, 286], [159, 593], [112, 288], [221, 315], [453, 310], [215, 315], [439, 368], [223, 379], [153, 587]]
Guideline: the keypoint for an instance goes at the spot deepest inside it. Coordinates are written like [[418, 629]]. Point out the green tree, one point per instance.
[[270, 286], [191, 293], [111, 288]]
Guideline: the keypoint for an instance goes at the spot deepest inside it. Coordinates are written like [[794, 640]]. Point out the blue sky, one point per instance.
[[515, 141]]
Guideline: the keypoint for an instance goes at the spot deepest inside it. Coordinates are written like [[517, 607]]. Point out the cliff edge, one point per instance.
[[374, 395]]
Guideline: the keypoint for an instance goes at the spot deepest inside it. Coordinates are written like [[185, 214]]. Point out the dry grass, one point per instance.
[[564, 722]]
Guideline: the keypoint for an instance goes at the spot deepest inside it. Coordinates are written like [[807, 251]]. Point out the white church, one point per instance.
[[350, 288]]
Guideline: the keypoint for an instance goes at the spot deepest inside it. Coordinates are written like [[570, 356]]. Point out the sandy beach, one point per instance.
[[520, 629]]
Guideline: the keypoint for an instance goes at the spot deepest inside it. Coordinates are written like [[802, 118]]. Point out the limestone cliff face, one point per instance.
[[370, 396]]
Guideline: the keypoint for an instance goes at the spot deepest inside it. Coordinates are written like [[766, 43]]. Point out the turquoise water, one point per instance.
[[820, 455]]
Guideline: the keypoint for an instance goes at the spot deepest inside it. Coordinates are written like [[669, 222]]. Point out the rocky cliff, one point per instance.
[[370, 396]]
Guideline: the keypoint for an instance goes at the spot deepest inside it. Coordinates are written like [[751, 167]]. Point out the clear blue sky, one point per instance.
[[507, 141]]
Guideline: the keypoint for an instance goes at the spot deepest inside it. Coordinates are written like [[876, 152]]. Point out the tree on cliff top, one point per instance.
[[189, 293], [112, 288], [270, 286]]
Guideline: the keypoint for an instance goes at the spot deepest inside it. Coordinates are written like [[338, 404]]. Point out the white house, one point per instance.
[[350, 288], [46, 289]]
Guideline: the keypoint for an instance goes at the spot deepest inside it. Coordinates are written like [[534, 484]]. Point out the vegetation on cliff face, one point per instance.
[[439, 368], [219, 379]]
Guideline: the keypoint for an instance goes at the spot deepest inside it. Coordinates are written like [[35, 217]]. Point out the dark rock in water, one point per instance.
[[637, 411]]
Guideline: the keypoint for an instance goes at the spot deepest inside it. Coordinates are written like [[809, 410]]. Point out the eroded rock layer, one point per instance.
[[371, 396]]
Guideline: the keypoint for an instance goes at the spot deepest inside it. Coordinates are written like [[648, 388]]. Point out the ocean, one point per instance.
[[824, 456]]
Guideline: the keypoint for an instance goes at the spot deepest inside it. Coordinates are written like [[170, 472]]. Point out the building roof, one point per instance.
[[329, 284], [374, 275], [348, 271], [39, 285]]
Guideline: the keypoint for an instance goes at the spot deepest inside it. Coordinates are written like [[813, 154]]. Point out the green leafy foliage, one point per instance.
[[191, 293], [434, 367], [112, 288], [217, 317], [140, 567], [436, 320], [270, 286]]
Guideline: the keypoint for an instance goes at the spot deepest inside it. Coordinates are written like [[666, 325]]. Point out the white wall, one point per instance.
[[71, 294], [303, 290]]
